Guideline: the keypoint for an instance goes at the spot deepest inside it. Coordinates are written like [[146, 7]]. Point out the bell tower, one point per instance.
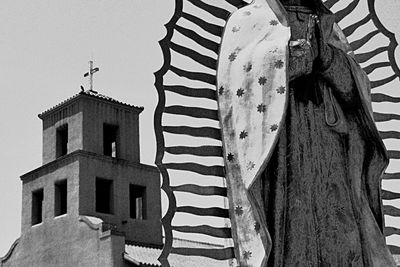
[[91, 175], [93, 123]]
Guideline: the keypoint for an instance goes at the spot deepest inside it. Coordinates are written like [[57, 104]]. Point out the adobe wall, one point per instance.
[[71, 115], [96, 113], [123, 173], [67, 242], [46, 177]]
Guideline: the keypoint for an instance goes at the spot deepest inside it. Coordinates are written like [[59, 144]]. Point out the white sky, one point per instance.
[[44, 49]]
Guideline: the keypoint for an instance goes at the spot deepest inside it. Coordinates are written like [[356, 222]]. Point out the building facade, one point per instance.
[[92, 195]]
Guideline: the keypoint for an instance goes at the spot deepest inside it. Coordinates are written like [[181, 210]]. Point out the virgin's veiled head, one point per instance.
[[318, 5]]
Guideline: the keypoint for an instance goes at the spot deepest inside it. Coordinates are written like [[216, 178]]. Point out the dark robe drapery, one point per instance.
[[314, 190], [303, 157]]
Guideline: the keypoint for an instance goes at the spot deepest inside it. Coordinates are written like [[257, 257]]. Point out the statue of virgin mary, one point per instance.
[[303, 156]]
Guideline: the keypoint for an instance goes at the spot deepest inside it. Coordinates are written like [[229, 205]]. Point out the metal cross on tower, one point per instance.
[[90, 74]]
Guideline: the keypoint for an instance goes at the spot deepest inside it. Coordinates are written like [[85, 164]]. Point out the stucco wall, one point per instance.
[[67, 168], [81, 169], [123, 173], [67, 242], [70, 114], [96, 113]]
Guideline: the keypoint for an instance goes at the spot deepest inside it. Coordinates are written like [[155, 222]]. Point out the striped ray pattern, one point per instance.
[[189, 148], [374, 47]]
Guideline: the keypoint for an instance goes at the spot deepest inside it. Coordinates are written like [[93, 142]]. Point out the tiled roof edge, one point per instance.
[[141, 244], [132, 260], [90, 94]]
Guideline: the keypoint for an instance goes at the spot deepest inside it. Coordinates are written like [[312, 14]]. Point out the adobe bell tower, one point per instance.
[[93, 123], [91, 175]]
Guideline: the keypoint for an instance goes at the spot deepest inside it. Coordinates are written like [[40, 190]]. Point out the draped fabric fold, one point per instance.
[[252, 85]]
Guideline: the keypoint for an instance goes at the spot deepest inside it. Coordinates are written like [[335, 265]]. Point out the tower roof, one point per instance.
[[90, 93]]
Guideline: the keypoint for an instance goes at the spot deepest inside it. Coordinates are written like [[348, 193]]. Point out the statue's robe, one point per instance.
[[303, 160]]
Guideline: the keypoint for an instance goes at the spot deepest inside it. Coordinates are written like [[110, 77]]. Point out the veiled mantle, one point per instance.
[[252, 86]]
